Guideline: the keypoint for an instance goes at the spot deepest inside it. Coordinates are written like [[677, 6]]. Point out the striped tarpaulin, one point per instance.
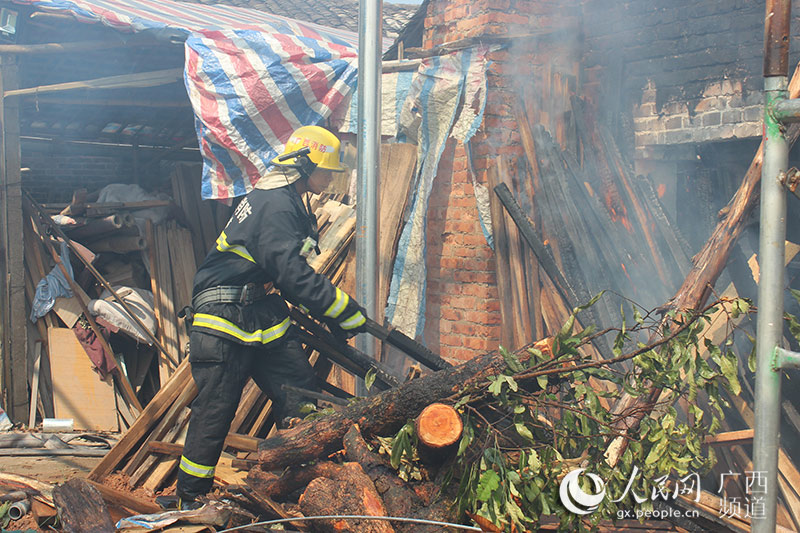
[[252, 77]]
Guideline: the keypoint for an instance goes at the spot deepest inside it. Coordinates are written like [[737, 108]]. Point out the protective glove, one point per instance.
[[346, 316]]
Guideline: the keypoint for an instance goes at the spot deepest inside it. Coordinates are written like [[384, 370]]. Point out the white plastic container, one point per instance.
[[57, 425]]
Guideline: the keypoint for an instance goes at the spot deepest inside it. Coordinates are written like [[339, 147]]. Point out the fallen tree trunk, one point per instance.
[[382, 414]]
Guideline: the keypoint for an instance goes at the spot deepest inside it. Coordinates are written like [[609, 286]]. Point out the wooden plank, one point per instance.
[[183, 267], [169, 328], [522, 322], [729, 438], [192, 177], [152, 412], [182, 192], [125, 499], [173, 417], [15, 367], [503, 268], [249, 399], [45, 382], [35, 384], [79, 393], [398, 162], [166, 465]]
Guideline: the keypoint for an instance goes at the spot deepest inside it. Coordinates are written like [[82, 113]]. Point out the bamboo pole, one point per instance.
[[140, 79]]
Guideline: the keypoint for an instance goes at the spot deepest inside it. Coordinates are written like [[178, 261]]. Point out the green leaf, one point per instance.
[[537, 356], [464, 400], [795, 294], [729, 368], [637, 316], [401, 444], [566, 329], [534, 463], [511, 360], [466, 438], [542, 381], [657, 452], [488, 483], [590, 302], [369, 378], [523, 430], [512, 384], [497, 385]]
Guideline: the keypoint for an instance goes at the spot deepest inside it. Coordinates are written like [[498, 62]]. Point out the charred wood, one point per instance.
[[81, 508]]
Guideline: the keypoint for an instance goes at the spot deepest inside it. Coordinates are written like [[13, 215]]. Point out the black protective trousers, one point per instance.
[[220, 369]]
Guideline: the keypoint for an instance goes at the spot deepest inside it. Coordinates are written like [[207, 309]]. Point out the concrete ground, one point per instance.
[[56, 469]]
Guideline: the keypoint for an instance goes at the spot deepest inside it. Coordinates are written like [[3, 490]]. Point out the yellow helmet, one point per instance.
[[323, 148]]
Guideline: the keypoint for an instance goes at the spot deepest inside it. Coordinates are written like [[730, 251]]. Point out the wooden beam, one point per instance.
[[152, 412], [15, 351], [125, 499], [109, 102], [730, 438], [55, 48], [140, 79]]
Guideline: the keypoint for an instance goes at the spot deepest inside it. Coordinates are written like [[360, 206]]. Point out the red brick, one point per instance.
[[482, 317], [466, 276], [458, 301], [447, 313], [470, 329]]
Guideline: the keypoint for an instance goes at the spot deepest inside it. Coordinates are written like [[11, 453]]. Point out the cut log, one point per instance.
[[349, 492], [382, 414], [81, 508], [279, 487], [438, 426], [399, 498]]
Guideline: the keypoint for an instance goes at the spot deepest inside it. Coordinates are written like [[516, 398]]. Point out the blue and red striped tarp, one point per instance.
[[252, 77]]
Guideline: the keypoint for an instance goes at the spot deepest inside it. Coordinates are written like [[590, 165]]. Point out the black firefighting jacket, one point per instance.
[[262, 244]]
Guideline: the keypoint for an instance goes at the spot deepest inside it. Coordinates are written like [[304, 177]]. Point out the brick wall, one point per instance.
[[463, 310], [689, 72]]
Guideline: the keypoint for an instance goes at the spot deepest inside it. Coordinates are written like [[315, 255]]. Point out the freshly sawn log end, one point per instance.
[[439, 426]]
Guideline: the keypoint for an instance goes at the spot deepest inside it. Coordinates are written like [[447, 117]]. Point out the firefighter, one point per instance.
[[239, 330]]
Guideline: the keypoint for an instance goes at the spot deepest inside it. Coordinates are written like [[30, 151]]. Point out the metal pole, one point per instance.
[[369, 161], [771, 256]]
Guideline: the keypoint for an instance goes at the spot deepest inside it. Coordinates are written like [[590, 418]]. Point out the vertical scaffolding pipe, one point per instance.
[[771, 253], [369, 153]]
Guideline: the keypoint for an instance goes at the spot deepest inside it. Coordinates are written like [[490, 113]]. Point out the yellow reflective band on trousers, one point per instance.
[[241, 251], [196, 470], [353, 322], [338, 305], [260, 336]]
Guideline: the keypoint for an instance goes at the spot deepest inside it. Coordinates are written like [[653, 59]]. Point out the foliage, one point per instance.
[[5, 518], [549, 413]]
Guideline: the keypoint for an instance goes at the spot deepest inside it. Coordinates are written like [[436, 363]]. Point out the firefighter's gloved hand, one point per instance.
[[346, 316]]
